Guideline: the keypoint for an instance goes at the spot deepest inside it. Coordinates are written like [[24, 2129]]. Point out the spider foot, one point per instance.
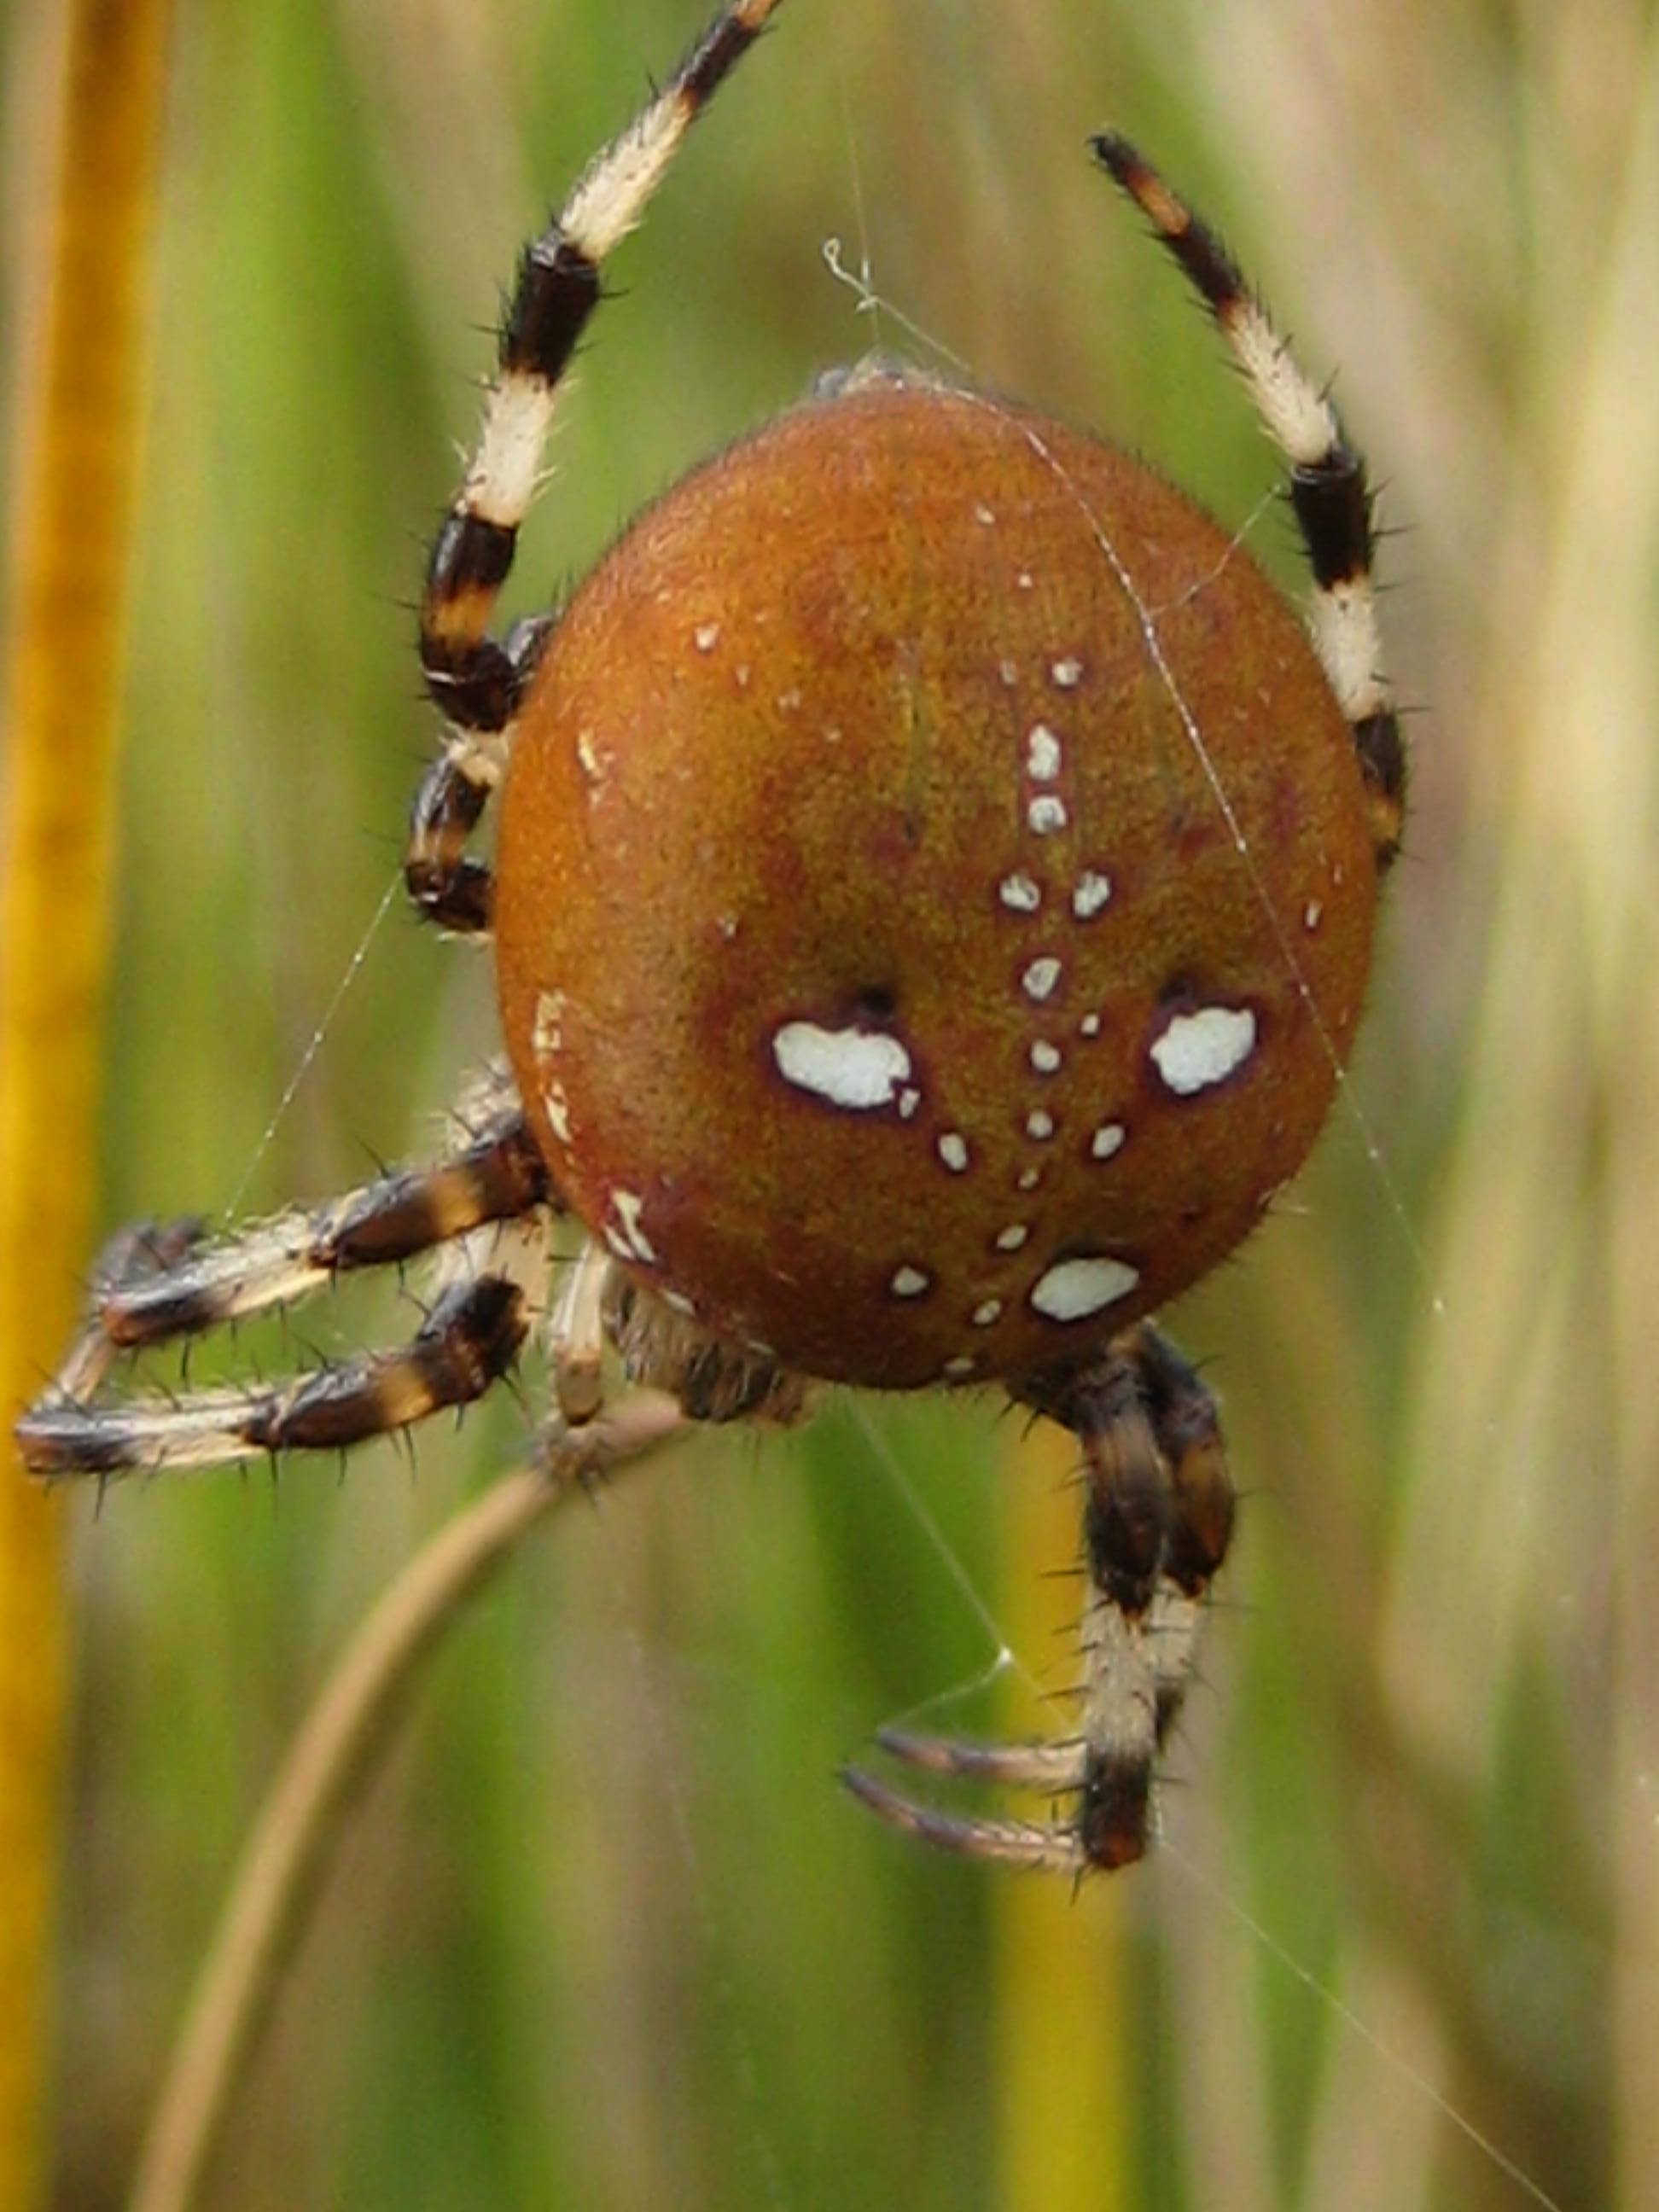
[[584, 1452], [1105, 1826], [1053, 1766], [1049, 1847]]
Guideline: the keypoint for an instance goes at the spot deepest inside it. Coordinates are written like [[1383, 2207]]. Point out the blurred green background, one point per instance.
[[607, 1934]]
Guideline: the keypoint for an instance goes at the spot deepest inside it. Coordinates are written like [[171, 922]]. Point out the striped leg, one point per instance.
[[1329, 487], [1157, 1521], [156, 1283], [476, 680], [468, 1342], [206, 1280]]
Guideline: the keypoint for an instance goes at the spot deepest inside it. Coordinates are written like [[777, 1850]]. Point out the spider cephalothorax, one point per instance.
[[934, 903]]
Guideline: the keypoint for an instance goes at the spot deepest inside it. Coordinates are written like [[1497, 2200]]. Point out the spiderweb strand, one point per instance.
[[1005, 1657], [1351, 2020], [314, 1044]]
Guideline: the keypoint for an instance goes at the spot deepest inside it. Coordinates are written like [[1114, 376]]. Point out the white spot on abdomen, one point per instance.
[[1020, 893], [909, 1282], [558, 1111], [628, 1241], [547, 1029], [588, 755], [1039, 978], [1046, 815], [1197, 1050], [1072, 1289], [1042, 753], [707, 636], [953, 1150], [1107, 1139], [1089, 893], [854, 1068]]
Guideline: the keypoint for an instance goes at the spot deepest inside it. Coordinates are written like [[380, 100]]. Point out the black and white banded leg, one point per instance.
[[1330, 495], [1158, 1518], [468, 1342], [476, 680], [155, 1283]]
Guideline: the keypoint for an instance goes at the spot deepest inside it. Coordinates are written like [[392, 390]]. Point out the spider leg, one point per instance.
[[577, 1334], [476, 680], [1002, 1843], [1329, 492], [150, 1285], [153, 1283], [470, 1340], [1014, 1766], [1158, 1518], [134, 1254]]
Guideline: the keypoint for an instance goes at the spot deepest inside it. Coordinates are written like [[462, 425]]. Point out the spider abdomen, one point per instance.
[[935, 891]]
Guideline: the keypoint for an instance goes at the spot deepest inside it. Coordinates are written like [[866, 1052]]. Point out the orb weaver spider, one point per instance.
[[933, 903]]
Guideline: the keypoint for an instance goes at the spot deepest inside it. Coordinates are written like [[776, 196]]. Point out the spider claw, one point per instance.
[[1002, 1843], [1046, 1765]]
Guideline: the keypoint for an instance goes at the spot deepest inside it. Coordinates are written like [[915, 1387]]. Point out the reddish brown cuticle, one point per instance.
[[776, 769]]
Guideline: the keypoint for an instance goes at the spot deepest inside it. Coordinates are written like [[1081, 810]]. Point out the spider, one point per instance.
[[933, 901]]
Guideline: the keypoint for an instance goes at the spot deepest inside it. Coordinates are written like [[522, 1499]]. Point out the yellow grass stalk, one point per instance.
[[68, 567], [1065, 2141]]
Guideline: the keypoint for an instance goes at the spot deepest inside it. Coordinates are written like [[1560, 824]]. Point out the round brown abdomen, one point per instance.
[[877, 959]]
